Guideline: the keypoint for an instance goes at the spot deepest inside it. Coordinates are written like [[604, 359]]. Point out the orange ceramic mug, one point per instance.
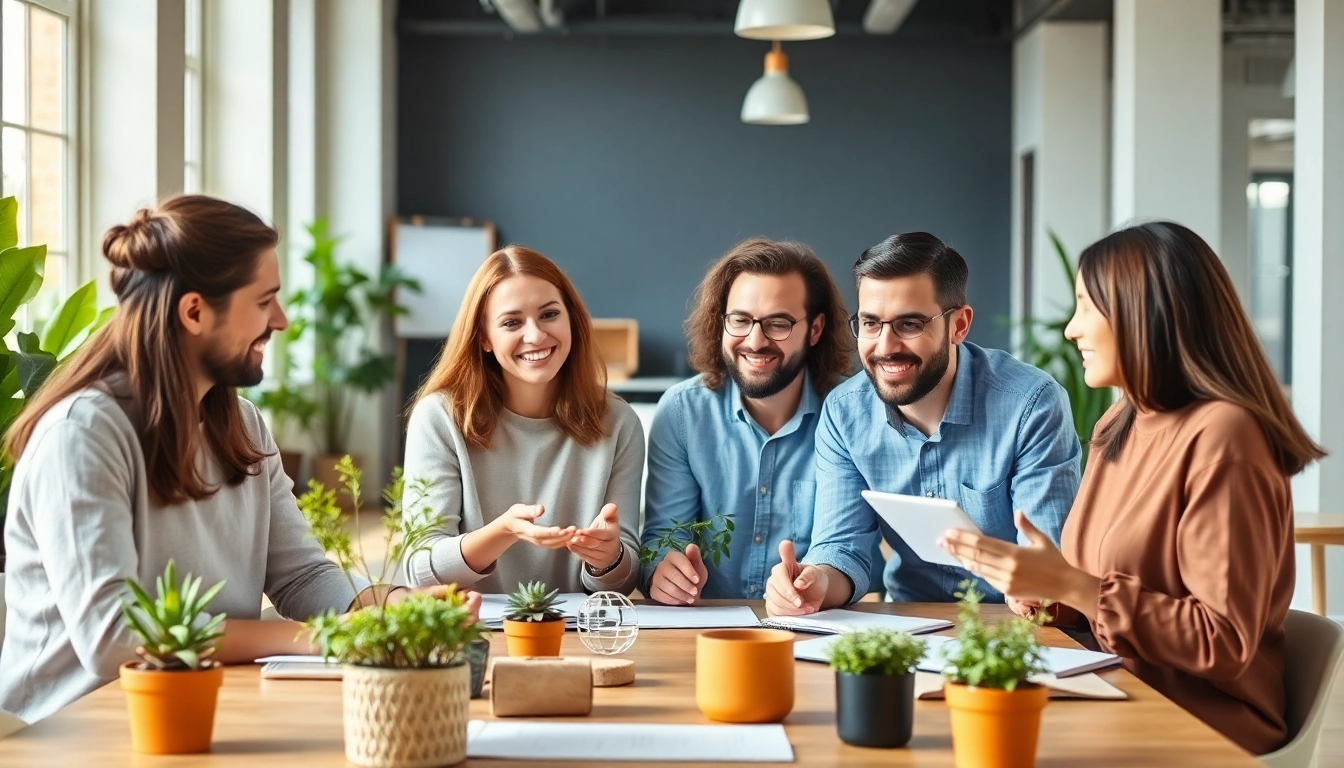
[[744, 675]]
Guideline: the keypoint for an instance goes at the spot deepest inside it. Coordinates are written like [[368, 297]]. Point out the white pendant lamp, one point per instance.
[[775, 99], [784, 19]]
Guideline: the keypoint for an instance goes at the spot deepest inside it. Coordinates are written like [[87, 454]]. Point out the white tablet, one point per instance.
[[920, 521]]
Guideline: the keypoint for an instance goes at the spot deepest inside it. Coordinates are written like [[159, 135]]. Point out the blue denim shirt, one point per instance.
[[1006, 442], [707, 454]]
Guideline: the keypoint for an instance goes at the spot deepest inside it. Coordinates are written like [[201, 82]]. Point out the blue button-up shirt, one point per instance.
[[707, 454], [1005, 442]]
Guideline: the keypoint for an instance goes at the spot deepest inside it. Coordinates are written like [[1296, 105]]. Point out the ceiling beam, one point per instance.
[[884, 17]]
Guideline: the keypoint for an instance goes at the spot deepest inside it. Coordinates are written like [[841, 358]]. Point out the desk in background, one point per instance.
[[1318, 530]]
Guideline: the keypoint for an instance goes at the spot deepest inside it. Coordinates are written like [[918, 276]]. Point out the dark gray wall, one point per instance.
[[624, 159]]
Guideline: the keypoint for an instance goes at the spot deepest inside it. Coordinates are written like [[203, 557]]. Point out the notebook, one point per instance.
[[1063, 662], [838, 620]]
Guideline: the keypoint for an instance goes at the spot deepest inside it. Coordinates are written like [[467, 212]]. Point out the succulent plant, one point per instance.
[[533, 603], [171, 626]]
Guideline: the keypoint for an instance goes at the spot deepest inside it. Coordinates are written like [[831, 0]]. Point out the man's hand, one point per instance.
[[679, 578], [794, 590]]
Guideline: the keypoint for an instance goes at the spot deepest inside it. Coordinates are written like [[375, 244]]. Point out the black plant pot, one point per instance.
[[874, 710], [478, 653]]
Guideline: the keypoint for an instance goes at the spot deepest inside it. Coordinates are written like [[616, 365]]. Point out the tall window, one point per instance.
[[191, 169], [37, 98]]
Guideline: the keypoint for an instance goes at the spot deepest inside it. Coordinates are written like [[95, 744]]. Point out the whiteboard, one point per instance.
[[442, 254]]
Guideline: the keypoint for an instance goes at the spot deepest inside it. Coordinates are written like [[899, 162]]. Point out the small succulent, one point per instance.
[[175, 637], [533, 603]]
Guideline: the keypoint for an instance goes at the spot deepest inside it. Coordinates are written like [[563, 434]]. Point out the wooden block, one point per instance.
[[609, 673], [534, 685], [617, 341]]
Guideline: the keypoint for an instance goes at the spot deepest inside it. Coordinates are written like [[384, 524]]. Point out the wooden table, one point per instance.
[[1318, 530], [297, 723]]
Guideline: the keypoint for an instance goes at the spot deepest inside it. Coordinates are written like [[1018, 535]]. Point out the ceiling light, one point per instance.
[[784, 19], [775, 99]]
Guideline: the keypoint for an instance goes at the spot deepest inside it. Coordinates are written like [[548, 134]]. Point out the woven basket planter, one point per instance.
[[406, 718]]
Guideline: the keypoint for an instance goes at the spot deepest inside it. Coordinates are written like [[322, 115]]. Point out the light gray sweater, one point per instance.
[[81, 520], [530, 461]]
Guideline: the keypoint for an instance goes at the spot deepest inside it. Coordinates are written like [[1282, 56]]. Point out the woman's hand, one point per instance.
[[518, 522], [1031, 573], [600, 543]]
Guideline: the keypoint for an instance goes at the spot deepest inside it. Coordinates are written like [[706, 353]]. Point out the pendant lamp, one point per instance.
[[784, 19], [775, 99]]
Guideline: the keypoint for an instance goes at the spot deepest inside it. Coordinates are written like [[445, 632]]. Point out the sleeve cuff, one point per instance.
[[621, 579], [844, 561]]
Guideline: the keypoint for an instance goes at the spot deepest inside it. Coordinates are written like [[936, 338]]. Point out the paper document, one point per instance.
[[495, 606], [1088, 686], [838, 620], [690, 617], [595, 742], [1063, 662], [298, 668]]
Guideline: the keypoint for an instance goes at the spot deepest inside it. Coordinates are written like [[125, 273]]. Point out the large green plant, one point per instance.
[[344, 309], [1046, 348], [1002, 656], [33, 357]]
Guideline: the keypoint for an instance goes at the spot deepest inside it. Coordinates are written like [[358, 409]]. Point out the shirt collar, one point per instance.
[[810, 403], [959, 407]]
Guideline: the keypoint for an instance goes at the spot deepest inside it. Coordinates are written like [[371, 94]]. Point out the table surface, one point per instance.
[[1312, 523], [297, 723]]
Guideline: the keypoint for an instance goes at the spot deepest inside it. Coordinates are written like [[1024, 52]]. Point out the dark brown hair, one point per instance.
[[829, 360], [1181, 335], [190, 243], [918, 253], [472, 380]]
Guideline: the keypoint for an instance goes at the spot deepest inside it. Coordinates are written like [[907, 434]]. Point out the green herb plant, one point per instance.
[[174, 638], [419, 632], [712, 536], [531, 602], [875, 652], [1002, 656]]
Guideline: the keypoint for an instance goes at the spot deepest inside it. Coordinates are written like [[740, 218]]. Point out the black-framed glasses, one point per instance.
[[907, 326], [775, 327]]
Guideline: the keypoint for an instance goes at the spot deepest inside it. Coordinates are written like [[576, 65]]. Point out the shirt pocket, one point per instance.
[[991, 510], [801, 505]]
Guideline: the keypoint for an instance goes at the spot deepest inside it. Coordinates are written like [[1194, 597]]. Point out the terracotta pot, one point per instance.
[[744, 675], [292, 462], [171, 713], [324, 472], [534, 638], [994, 728], [405, 718], [874, 710]]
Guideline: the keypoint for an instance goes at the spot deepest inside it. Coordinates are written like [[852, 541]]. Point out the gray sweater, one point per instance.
[[81, 520], [530, 461]]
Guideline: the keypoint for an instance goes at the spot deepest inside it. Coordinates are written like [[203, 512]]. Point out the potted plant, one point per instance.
[[875, 686], [171, 691], [406, 680], [995, 711], [24, 369], [533, 625], [344, 308]]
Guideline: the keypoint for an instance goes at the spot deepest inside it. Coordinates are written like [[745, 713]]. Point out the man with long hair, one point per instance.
[[931, 415], [768, 338]]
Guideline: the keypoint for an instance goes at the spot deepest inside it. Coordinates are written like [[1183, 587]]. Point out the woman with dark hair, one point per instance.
[[535, 467], [1179, 547]]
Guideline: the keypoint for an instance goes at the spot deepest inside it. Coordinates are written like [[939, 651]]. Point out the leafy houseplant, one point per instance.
[[24, 369], [285, 403], [406, 679], [533, 625], [875, 686], [712, 536], [995, 710], [171, 692]]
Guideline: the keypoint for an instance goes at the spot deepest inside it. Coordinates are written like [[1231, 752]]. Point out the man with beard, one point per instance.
[[931, 415], [768, 338]]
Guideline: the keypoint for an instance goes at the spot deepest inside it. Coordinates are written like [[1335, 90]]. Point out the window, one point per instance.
[[1270, 197], [37, 152], [192, 122]]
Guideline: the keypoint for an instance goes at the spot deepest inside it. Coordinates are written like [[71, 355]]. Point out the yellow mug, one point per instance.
[[744, 675]]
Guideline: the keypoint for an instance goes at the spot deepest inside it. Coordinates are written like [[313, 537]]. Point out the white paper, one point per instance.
[[839, 620], [495, 606], [550, 741], [693, 617], [293, 660], [1062, 662]]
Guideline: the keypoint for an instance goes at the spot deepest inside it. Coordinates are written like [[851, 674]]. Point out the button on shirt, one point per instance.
[[706, 455], [1005, 442]]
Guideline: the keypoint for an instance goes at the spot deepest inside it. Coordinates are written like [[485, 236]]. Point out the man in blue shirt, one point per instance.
[[932, 415], [768, 336]]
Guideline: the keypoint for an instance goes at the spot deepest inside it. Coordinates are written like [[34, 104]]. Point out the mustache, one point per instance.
[[767, 350], [896, 359]]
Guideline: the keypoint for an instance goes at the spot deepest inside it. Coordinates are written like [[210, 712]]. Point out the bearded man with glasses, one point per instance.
[[931, 415]]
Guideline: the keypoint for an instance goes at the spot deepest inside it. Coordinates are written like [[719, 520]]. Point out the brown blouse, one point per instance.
[[1191, 532]]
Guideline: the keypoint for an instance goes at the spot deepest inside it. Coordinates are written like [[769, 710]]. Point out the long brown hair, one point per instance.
[[190, 243], [1181, 335], [828, 361], [472, 380]]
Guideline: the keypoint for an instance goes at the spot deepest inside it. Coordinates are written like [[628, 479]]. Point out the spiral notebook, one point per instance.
[[838, 620]]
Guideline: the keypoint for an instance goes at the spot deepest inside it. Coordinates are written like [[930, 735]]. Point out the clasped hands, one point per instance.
[[598, 545]]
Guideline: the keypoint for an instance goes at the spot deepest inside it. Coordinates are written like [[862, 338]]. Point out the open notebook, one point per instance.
[[1063, 662], [838, 620]]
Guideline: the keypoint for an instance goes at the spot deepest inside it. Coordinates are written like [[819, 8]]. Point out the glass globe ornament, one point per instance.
[[607, 623]]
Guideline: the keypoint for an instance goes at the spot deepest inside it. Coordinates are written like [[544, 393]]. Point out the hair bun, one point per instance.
[[138, 244]]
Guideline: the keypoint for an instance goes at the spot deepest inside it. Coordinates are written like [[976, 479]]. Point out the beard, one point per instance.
[[229, 371], [927, 374], [773, 383]]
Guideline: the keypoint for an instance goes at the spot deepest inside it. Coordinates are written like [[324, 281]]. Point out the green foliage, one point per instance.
[[174, 636], [531, 602], [420, 631], [876, 652], [24, 369], [1046, 348], [712, 536], [344, 309], [1001, 656]]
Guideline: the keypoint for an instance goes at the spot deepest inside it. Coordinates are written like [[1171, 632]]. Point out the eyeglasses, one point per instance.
[[777, 328], [906, 327]]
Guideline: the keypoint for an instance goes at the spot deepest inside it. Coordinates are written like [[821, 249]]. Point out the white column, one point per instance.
[[1167, 113], [1060, 113], [1318, 270]]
